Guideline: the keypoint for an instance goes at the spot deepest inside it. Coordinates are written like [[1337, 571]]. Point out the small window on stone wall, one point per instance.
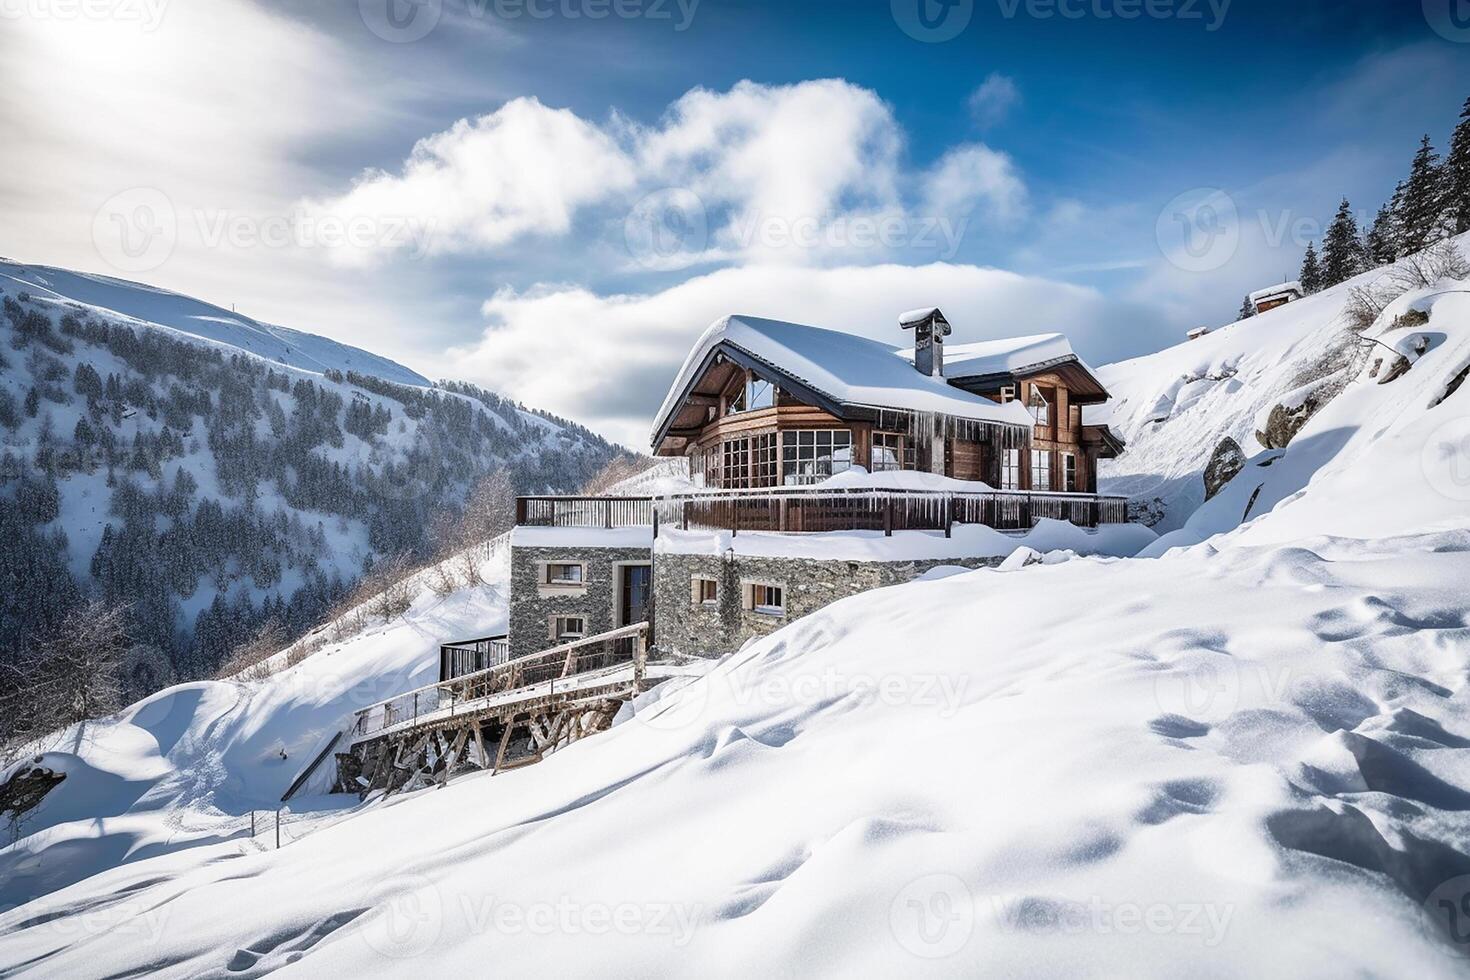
[[704, 591], [565, 573], [767, 599], [565, 629]]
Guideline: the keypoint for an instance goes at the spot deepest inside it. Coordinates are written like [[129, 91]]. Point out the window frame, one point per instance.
[[903, 453], [1010, 469], [1069, 473], [801, 461], [561, 636], [549, 577], [1041, 463], [767, 590], [705, 591]]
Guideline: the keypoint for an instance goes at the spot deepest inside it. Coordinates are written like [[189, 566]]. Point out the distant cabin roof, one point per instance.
[[1011, 355], [1277, 290], [846, 368]]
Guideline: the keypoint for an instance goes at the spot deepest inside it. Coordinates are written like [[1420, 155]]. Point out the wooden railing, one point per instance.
[[560, 665], [811, 509], [605, 512]]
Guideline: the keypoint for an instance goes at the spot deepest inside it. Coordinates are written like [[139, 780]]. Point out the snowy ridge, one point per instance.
[[148, 305], [1174, 407]]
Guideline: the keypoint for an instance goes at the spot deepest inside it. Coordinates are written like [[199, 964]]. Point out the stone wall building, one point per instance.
[[711, 605]]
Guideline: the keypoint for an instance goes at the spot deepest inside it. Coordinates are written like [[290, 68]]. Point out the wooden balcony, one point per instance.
[[797, 510]]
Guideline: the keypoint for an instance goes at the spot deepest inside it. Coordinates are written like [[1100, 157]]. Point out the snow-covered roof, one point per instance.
[[848, 369], [1277, 290], [1007, 356]]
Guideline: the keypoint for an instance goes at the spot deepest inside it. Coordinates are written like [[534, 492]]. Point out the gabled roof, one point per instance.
[[840, 369], [1278, 290], [1011, 355]]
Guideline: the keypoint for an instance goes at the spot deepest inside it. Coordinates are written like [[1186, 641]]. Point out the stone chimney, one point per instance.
[[930, 328]]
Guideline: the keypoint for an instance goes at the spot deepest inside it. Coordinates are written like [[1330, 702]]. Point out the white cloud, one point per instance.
[[524, 169], [994, 100], [788, 173], [611, 357], [972, 176]]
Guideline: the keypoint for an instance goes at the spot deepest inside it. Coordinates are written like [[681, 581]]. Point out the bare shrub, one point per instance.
[[616, 471], [442, 579], [247, 661], [388, 582], [1429, 267], [1365, 304]]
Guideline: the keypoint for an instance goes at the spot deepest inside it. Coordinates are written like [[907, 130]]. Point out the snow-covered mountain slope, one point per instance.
[[1084, 769], [214, 476], [1174, 407], [1245, 756], [185, 767], [205, 321]]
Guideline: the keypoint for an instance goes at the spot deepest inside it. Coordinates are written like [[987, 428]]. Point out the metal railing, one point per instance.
[[462, 657], [554, 670]]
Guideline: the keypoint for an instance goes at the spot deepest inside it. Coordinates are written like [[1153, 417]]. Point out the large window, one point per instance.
[[753, 396], [1069, 472], [1010, 469], [810, 455], [1040, 469], [764, 450], [735, 473], [891, 451]]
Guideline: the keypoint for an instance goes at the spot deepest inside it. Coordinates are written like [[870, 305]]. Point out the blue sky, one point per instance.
[[608, 186]]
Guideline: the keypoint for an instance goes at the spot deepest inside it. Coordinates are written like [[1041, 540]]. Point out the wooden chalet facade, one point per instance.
[[767, 404]]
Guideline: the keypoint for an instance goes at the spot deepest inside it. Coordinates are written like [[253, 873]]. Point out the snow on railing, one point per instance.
[[564, 663], [813, 509]]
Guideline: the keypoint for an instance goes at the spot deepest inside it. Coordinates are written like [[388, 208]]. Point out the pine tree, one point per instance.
[[1342, 250], [1421, 207], [1457, 176], [1311, 274], [1247, 309], [1379, 244]]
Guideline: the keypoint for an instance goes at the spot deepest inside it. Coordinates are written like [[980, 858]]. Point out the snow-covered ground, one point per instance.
[[1247, 755], [185, 767]]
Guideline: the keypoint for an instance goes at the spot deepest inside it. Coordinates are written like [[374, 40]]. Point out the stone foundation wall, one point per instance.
[[687, 628], [533, 604]]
